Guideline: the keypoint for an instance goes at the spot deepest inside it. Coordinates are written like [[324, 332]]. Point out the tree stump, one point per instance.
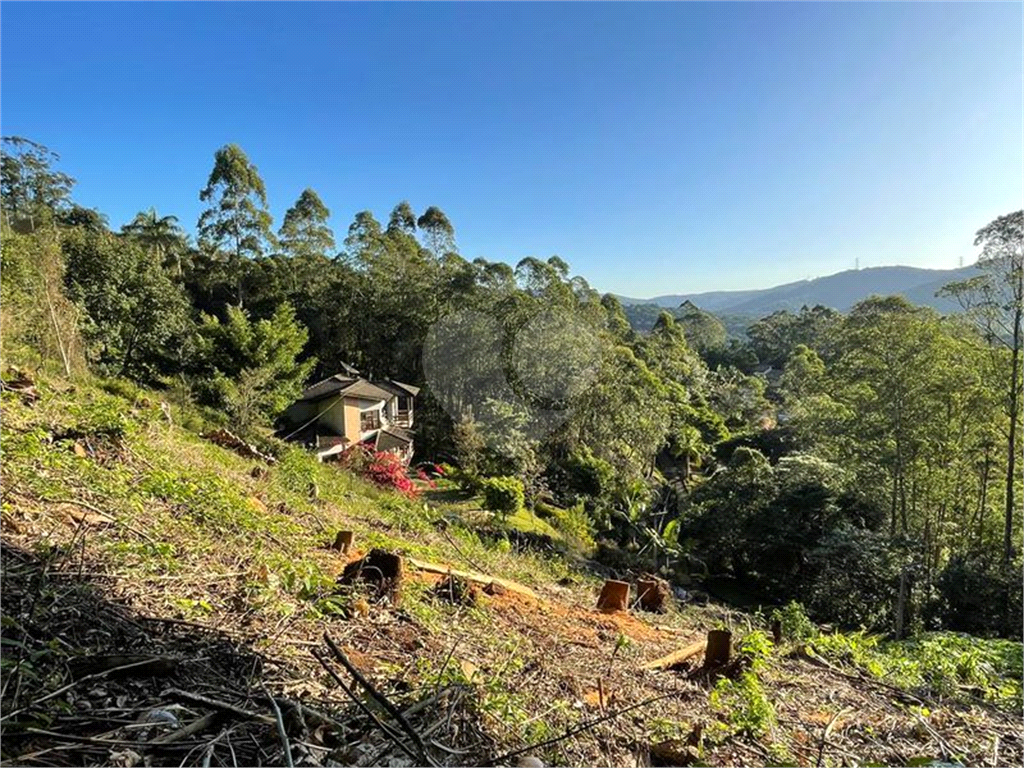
[[719, 648], [614, 596], [342, 542], [380, 568], [653, 594]]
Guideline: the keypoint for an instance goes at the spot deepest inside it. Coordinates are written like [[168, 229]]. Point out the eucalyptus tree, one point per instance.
[[237, 221], [402, 219], [995, 301], [32, 190], [437, 231], [305, 232]]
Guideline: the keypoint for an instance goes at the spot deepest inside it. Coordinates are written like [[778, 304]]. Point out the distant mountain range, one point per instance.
[[840, 291]]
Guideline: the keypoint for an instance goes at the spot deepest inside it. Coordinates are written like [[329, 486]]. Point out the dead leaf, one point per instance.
[[468, 668], [79, 450]]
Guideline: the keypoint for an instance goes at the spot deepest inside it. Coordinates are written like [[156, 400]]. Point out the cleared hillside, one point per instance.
[[144, 567]]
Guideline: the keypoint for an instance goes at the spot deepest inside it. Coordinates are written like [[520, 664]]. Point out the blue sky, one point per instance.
[[658, 148]]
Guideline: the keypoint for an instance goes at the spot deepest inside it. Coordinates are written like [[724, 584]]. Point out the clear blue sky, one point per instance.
[[658, 148]]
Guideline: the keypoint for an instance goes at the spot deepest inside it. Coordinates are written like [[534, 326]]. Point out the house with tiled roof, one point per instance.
[[347, 408]]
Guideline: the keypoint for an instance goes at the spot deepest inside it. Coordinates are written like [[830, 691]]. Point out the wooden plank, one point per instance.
[[479, 578], [677, 657]]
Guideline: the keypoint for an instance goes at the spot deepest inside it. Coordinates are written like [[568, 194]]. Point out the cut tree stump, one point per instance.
[[719, 648], [676, 658], [653, 594], [342, 542], [381, 568], [614, 596], [457, 591]]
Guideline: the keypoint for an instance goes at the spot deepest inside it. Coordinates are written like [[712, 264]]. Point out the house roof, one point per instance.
[[400, 389], [393, 437], [363, 388], [327, 387], [342, 384]]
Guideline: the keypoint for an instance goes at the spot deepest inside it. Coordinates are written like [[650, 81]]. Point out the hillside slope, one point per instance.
[[839, 291], [127, 535]]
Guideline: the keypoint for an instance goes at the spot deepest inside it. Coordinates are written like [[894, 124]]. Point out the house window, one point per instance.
[[403, 404], [369, 420]]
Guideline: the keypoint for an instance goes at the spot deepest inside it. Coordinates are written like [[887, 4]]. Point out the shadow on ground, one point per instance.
[[87, 680]]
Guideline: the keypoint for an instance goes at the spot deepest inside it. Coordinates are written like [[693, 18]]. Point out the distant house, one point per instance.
[[346, 409]]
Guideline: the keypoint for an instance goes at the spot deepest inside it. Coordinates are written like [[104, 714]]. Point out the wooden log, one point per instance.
[[614, 596], [677, 657], [479, 578], [719, 648], [343, 542]]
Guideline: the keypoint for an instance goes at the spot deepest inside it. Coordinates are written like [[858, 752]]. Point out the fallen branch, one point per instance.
[[282, 734], [198, 725], [220, 706], [390, 708], [826, 732], [677, 657], [366, 710]]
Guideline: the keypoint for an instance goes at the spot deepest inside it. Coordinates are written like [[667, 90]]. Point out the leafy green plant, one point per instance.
[[757, 647], [794, 622], [943, 664], [744, 703]]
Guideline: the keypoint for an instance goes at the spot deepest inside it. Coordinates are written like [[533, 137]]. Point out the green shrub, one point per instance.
[[744, 702], [465, 479], [794, 621], [575, 523], [503, 495]]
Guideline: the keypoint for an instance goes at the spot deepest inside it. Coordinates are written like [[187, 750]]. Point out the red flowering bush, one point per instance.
[[422, 475], [381, 468]]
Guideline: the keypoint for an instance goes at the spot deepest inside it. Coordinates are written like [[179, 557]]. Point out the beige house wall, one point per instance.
[[351, 427]]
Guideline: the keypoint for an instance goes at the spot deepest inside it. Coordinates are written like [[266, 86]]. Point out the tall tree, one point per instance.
[[237, 219], [304, 232], [437, 230], [402, 218], [135, 316], [995, 301], [31, 189]]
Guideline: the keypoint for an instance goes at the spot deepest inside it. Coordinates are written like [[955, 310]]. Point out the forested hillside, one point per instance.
[[858, 467], [840, 291]]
